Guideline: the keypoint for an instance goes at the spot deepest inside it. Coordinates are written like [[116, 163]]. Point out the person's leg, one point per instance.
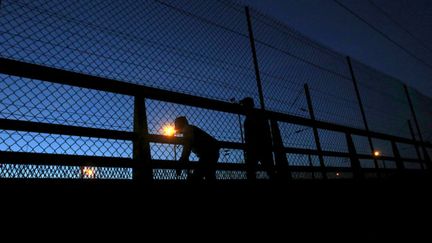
[[200, 171], [197, 172], [251, 166], [209, 166], [268, 164]]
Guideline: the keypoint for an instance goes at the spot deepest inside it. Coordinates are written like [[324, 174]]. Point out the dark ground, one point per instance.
[[335, 210]]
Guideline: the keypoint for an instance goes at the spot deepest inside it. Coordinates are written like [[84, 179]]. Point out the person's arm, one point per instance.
[[187, 136], [247, 135]]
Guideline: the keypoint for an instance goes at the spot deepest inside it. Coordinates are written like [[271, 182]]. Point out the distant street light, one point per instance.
[[169, 130], [88, 172], [377, 153]]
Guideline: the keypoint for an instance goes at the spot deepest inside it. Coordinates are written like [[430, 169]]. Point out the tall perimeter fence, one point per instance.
[[87, 87]]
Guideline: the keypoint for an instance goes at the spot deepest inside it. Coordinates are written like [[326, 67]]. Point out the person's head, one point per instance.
[[247, 103], [180, 123]]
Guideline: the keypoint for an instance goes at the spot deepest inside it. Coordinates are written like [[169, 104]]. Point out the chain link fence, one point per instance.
[[197, 48]]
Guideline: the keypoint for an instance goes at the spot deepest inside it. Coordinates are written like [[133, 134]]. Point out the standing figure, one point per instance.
[[258, 140], [203, 145]]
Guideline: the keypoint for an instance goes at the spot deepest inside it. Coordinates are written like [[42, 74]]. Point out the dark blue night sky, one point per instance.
[[331, 25]]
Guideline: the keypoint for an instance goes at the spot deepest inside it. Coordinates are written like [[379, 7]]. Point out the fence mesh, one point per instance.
[[423, 108], [185, 46], [62, 172], [288, 60], [384, 100], [38, 101], [201, 48]]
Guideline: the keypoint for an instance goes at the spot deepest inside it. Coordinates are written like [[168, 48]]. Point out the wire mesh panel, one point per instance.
[[32, 142], [288, 60], [384, 100], [423, 110], [296, 136], [13, 171], [403, 22], [422, 106], [407, 151], [367, 163], [332, 141], [387, 164], [361, 145], [230, 175], [38, 101], [343, 162], [169, 174], [303, 160], [412, 165], [305, 175], [196, 47], [382, 147]]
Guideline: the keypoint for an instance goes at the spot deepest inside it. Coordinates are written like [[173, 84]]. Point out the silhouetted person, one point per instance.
[[203, 145], [258, 141]]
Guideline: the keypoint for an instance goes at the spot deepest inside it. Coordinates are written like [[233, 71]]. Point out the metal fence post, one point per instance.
[[315, 131], [399, 163], [355, 162], [359, 100], [416, 144], [311, 165], [255, 58], [142, 171], [281, 165], [425, 153], [281, 161]]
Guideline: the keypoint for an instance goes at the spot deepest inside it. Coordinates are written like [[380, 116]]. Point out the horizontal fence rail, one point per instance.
[[46, 74]]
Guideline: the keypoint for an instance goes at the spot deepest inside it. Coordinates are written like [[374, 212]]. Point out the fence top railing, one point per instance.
[[54, 75]]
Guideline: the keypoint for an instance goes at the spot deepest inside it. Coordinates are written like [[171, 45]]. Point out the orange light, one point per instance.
[[88, 172], [377, 153], [338, 174], [168, 130]]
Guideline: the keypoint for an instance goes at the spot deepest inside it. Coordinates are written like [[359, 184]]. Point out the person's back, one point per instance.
[[203, 145], [257, 133], [258, 141]]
